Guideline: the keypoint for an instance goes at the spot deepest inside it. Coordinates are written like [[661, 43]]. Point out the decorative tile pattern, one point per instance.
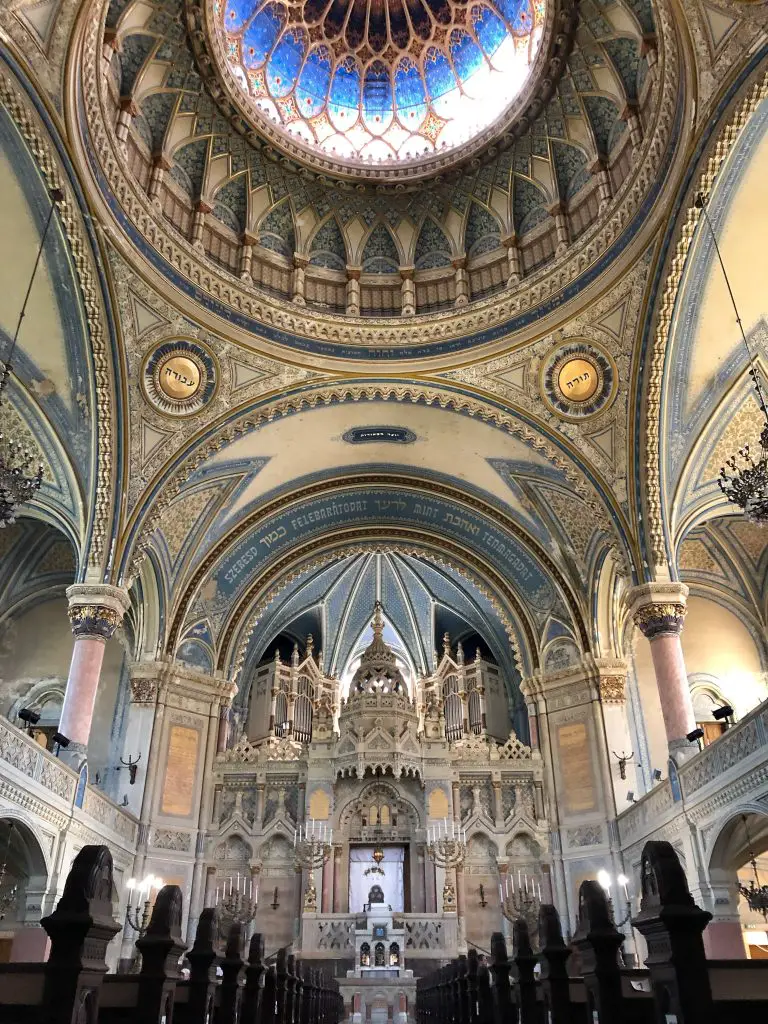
[[483, 233], [327, 248]]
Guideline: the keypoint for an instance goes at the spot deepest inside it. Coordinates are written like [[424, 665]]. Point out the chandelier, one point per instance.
[[755, 894], [744, 479], [18, 479]]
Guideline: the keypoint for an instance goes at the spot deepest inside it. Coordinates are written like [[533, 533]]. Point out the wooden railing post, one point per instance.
[[672, 926], [80, 929], [460, 988], [503, 1009], [160, 947], [255, 975], [269, 997], [281, 987], [553, 957], [202, 982], [294, 988], [522, 972], [231, 964], [598, 941]]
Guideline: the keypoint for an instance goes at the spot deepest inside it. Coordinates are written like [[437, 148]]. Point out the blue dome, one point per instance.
[[381, 81]]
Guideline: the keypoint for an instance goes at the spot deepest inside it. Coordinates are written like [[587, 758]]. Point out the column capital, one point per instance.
[[96, 610], [300, 261], [658, 609], [353, 273]]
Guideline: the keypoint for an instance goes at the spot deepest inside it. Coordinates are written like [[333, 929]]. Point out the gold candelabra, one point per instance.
[[447, 847], [312, 845], [238, 898], [521, 900]]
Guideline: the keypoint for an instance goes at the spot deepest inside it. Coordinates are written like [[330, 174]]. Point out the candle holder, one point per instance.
[[521, 901], [447, 847], [138, 915], [312, 845], [238, 898], [606, 882]]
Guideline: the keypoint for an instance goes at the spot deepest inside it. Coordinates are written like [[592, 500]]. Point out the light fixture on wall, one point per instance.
[[606, 882], [8, 892], [744, 479], [18, 479], [755, 894], [238, 898]]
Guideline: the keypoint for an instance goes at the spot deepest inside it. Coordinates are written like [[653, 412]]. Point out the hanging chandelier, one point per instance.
[[744, 478], [755, 894], [18, 478]]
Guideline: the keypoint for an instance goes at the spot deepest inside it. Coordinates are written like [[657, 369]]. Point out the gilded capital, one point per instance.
[[658, 609], [612, 689], [96, 610]]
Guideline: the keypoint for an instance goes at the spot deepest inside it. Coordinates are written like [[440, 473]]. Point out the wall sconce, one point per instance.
[[483, 900], [623, 760], [130, 764], [275, 902]]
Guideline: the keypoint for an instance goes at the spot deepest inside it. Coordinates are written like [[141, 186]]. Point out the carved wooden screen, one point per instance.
[[281, 715], [302, 718]]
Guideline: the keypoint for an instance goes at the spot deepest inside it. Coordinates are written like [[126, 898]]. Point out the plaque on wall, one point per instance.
[[180, 771], [575, 757]]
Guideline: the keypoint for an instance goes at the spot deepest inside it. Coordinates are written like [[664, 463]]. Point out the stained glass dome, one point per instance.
[[386, 82]]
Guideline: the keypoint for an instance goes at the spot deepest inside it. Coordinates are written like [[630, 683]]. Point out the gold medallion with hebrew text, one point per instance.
[[578, 379], [179, 377]]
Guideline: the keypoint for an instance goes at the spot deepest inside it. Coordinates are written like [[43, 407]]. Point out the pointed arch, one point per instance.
[[433, 248], [483, 231], [380, 254], [277, 230], [328, 248]]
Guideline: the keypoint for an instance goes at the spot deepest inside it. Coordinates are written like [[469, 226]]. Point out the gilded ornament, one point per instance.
[[660, 619], [578, 380], [612, 689], [179, 377], [92, 620]]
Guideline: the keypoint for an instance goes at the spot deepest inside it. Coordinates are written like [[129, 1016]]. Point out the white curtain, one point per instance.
[[391, 882]]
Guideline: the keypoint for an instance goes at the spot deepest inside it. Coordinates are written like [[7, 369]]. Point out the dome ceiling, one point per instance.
[[380, 80]]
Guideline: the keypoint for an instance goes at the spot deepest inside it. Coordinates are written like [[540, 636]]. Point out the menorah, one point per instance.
[[447, 847], [238, 898], [521, 901], [312, 845]]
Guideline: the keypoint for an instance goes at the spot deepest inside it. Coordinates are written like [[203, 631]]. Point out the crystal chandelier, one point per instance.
[[755, 894], [744, 479], [18, 479]]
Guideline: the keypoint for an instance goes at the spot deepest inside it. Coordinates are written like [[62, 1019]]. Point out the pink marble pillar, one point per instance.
[[95, 613], [724, 940], [658, 610]]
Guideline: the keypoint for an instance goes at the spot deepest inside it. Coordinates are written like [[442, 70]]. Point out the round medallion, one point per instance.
[[179, 377], [578, 380]]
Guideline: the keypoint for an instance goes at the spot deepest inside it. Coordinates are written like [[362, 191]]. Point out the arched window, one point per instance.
[[453, 717], [384, 814], [365, 955], [282, 725], [394, 955], [302, 719], [378, 955], [475, 712], [373, 815]]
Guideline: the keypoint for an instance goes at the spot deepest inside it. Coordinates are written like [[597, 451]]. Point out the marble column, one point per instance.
[[247, 243], [353, 291], [498, 804], [198, 223], [407, 291], [658, 610], [95, 612], [461, 280], [159, 166], [300, 264], [604, 186], [561, 226], [514, 260]]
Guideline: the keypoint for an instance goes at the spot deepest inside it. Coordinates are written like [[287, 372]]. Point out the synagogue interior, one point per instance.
[[383, 470]]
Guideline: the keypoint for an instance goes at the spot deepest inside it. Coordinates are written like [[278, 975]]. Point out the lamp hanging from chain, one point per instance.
[[744, 478], [755, 894], [18, 478]]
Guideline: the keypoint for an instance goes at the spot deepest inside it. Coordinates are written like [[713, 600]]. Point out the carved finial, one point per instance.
[[320, 660], [478, 655], [378, 621], [446, 643], [459, 653], [277, 655], [295, 655], [310, 644]]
